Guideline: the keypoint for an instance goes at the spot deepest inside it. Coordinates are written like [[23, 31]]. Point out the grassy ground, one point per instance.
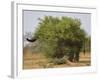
[[37, 60]]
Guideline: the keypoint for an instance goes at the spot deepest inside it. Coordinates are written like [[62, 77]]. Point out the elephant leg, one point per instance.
[[71, 57]]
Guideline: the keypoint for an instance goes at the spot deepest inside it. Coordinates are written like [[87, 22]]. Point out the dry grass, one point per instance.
[[37, 60]]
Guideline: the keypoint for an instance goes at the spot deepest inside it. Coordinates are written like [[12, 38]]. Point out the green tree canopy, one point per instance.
[[58, 34]]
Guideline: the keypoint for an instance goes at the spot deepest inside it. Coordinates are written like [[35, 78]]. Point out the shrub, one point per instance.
[[59, 61]]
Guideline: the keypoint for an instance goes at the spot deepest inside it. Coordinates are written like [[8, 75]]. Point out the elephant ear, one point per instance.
[[31, 40]]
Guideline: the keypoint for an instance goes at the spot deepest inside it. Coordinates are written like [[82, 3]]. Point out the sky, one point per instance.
[[31, 19]]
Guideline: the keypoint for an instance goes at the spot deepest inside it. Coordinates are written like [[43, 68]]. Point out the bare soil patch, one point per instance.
[[38, 60]]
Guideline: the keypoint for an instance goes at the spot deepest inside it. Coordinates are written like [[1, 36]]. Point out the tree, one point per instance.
[[60, 37]]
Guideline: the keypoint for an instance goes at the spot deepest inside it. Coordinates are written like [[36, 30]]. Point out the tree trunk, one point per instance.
[[76, 57]]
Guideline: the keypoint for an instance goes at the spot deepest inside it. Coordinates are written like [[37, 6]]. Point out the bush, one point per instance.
[[59, 61]]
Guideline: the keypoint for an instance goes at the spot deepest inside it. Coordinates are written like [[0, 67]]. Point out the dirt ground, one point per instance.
[[37, 60]]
